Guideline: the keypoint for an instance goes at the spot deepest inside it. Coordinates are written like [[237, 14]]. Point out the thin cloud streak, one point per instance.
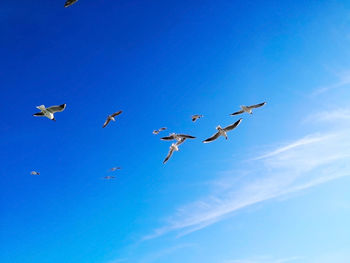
[[263, 260], [343, 80], [300, 165]]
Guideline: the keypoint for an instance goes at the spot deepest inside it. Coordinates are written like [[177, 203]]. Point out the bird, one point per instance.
[[248, 109], [173, 147], [34, 173], [111, 118], [177, 137], [196, 117], [50, 111], [70, 2], [156, 132], [223, 131], [115, 169], [109, 177]]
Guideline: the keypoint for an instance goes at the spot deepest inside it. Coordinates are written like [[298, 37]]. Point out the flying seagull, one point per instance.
[[109, 177], [177, 137], [50, 111], [34, 173], [173, 147], [111, 118], [248, 109], [159, 130], [196, 117], [115, 169], [222, 131], [70, 2]]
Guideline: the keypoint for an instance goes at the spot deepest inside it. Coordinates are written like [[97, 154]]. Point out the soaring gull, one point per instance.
[[34, 173], [109, 177], [248, 109], [177, 137], [70, 2], [50, 111], [196, 117], [173, 147], [115, 169], [223, 131], [159, 130], [111, 118]]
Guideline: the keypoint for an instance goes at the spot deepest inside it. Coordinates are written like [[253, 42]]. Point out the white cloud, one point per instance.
[[343, 80], [263, 260], [302, 164], [330, 115]]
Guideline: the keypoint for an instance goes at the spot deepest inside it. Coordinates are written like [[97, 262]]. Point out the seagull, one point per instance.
[[109, 177], [248, 109], [173, 147], [222, 131], [177, 137], [156, 132], [34, 173], [50, 111], [196, 117], [115, 169], [111, 118], [70, 2]]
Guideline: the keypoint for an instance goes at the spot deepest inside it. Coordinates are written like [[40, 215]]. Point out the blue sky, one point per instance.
[[277, 191]]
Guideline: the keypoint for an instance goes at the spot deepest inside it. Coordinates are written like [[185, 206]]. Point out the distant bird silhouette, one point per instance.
[[50, 111], [248, 109], [155, 132], [222, 131], [34, 173], [70, 2], [111, 118], [115, 169], [109, 177], [196, 117]]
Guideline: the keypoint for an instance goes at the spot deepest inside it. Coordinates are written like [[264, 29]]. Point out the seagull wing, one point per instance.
[[170, 153], [106, 122], [54, 109], [194, 119], [116, 114], [233, 126], [186, 136], [162, 129], [39, 114], [257, 105], [237, 112], [212, 138], [168, 138]]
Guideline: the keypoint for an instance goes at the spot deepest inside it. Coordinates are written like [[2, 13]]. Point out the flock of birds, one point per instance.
[[179, 138]]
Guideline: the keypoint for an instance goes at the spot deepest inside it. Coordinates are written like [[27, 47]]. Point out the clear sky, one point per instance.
[[277, 191]]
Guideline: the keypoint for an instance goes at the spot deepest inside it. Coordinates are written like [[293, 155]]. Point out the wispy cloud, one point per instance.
[[263, 260], [299, 165], [343, 80], [330, 115]]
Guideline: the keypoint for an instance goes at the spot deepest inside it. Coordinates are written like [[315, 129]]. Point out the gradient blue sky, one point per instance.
[[277, 191]]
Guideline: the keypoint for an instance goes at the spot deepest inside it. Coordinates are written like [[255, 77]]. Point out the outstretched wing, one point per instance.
[[233, 126], [212, 138], [186, 136], [168, 138], [237, 112], [257, 105], [54, 109], [39, 114], [106, 122], [170, 153], [162, 129], [116, 114]]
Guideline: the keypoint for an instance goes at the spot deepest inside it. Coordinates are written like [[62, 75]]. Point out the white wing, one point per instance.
[[54, 109]]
